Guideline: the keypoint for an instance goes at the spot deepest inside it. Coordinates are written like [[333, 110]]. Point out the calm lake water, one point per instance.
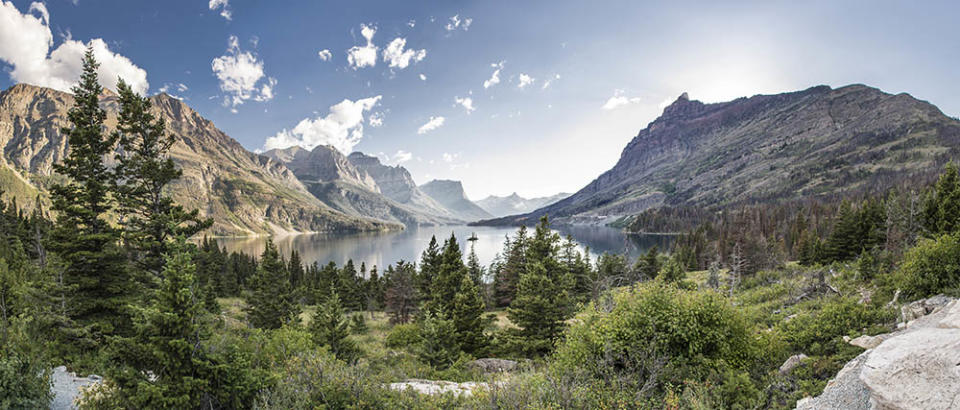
[[382, 249]]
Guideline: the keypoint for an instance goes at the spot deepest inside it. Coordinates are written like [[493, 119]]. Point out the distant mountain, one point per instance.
[[333, 179], [396, 183], [514, 204], [450, 194], [809, 143], [243, 192]]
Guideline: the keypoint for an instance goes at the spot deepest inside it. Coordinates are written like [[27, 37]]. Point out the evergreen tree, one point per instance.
[[401, 293], [296, 270], [673, 270], [87, 244], [349, 288], [429, 267], [329, 328], [942, 204], [165, 365], [358, 325], [515, 263], [474, 269], [447, 281], [468, 317], [270, 303], [648, 265], [144, 170], [438, 340], [542, 303]]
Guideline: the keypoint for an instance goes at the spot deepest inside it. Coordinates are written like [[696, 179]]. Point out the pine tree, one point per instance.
[[144, 170], [448, 277], [474, 269], [942, 204], [438, 340], [673, 271], [329, 328], [515, 263], [87, 244], [296, 270], [271, 303], [349, 288], [401, 293], [165, 364], [468, 317], [429, 267]]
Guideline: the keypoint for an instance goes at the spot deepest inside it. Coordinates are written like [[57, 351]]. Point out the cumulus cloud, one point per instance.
[[342, 128], [325, 55], [457, 22], [26, 42], [240, 74], [376, 119], [432, 124], [402, 156], [172, 89], [447, 157], [412, 23], [423, 77], [363, 56], [495, 77], [224, 7], [525, 80], [619, 99], [466, 103], [396, 56]]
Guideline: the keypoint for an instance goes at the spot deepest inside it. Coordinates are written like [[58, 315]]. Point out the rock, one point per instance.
[[867, 342], [792, 363], [843, 392], [922, 307], [491, 365], [66, 387], [432, 387]]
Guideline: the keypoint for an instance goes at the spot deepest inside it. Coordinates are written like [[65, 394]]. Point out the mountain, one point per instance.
[[816, 142], [514, 204], [245, 193], [450, 194], [333, 179], [396, 183]]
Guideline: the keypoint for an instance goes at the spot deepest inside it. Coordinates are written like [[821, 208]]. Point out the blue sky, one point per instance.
[[611, 67]]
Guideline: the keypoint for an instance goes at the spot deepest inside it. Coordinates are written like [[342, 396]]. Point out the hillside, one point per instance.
[[335, 181], [243, 192], [396, 183], [765, 148], [450, 194], [514, 204]]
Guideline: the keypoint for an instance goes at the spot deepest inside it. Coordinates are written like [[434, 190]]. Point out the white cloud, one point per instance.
[[402, 156], [325, 55], [363, 56], [342, 128], [224, 7], [495, 77], [457, 22], [423, 77], [240, 73], [25, 43], [432, 124], [466, 102], [525, 80], [550, 81], [447, 157], [619, 100], [375, 119], [412, 23], [170, 89], [400, 58]]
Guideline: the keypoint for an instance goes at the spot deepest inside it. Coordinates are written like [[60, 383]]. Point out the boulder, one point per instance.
[[923, 307], [491, 365], [66, 387], [843, 392], [867, 342], [432, 387], [792, 363]]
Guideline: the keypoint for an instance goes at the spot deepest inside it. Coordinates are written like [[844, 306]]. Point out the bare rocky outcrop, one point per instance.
[[432, 387], [916, 367], [492, 365], [450, 194]]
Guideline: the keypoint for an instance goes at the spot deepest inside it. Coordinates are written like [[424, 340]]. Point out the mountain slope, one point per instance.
[[243, 192], [514, 204], [335, 181], [450, 194], [819, 141], [396, 183]]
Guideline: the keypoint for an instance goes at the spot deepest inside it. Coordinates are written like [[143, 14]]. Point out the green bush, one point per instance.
[[820, 332], [403, 336], [24, 382], [658, 337], [931, 267]]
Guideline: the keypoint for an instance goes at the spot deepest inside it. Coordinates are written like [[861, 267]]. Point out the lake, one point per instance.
[[382, 249]]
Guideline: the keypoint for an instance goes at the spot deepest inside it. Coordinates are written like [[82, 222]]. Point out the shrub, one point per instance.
[[931, 267], [657, 336], [403, 336], [820, 332], [24, 381]]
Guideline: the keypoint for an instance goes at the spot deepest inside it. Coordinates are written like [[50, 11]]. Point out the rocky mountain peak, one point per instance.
[[682, 106]]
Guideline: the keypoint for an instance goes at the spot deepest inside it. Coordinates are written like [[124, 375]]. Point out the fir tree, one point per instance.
[[429, 267], [296, 270], [349, 288], [438, 340], [401, 293], [474, 269], [87, 244], [468, 317], [270, 303], [329, 328], [448, 277], [144, 170], [942, 204], [515, 263]]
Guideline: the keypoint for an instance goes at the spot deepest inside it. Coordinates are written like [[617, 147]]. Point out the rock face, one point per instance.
[[66, 387], [492, 365], [913, 368], [396, 183], [450, 194], [514, 204], [333, 179], [243, 192], [809, 143]]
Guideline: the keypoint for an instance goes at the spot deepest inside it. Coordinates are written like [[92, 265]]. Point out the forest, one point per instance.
[[118, 280]]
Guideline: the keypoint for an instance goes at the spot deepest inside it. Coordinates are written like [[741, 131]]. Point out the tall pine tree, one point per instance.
[[271, 301]]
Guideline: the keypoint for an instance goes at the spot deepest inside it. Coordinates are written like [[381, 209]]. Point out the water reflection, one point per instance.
[[382, 249]]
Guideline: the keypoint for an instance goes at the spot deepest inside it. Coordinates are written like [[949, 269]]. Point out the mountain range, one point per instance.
[[815, 142], [283, 191], [514, 204]]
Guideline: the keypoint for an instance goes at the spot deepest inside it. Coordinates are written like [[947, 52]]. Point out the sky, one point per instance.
[[534, 97]]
